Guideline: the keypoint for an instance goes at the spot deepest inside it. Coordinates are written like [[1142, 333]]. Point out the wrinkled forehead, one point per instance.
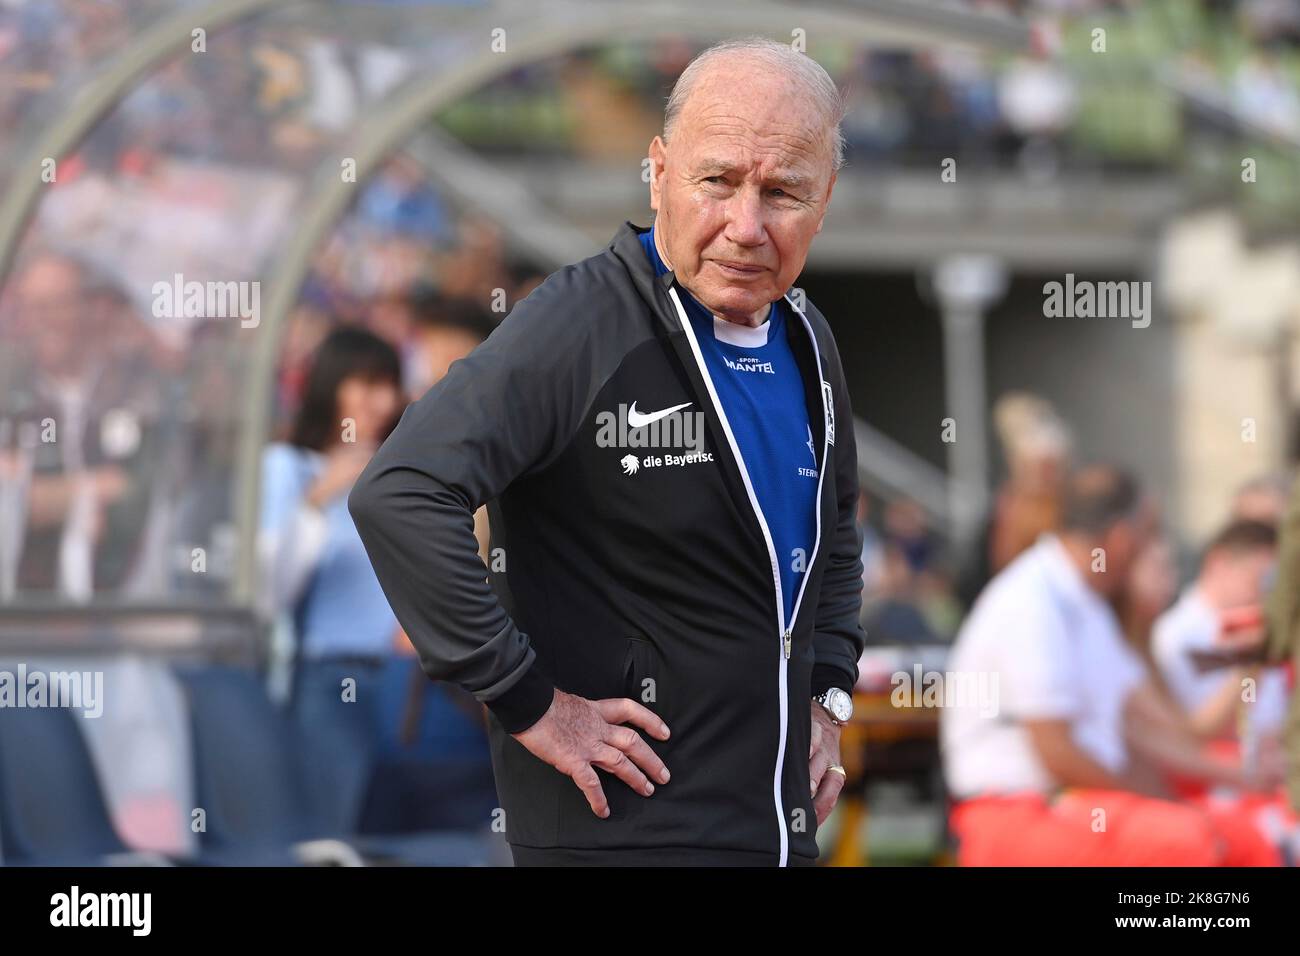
[[746, 121]]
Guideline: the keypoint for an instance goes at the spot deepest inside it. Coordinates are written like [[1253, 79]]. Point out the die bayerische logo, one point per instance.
[[664, 429]]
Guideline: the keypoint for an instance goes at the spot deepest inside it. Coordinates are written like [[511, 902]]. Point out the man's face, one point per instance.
[[50, 308], [1125, 541], [1239, 578], [741, 190]]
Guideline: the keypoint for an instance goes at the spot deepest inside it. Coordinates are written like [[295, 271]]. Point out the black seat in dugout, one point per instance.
[[249, 783], [52, 807], [52, 810]]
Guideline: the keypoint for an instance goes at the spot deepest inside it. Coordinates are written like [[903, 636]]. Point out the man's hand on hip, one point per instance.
[[823, 754], [577, 735]]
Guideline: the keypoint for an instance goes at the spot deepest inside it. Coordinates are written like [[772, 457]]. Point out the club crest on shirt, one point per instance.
[[828, 399]]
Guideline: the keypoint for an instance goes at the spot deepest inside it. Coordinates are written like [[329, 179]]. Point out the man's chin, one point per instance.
[[736, 304]]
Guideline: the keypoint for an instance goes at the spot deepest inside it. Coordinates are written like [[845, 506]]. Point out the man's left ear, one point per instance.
[[830, 187]]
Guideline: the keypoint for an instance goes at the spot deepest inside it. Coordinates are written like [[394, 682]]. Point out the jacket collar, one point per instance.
[[626, 246]]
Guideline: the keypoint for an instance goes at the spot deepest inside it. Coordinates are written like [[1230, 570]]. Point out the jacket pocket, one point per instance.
[[640, 674]]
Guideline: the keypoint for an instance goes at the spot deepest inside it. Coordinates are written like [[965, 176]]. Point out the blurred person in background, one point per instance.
[[211, 410], [1038, 99], [444, 330], [1262, 499], [1151, 588], [305, 329], [474, 267], [1063, 764], [81, 401], [391, 317], [873, 550], [398, 200], [316, 569], [912, 601], [1237, 709], [1223, 607], [1036, 445]]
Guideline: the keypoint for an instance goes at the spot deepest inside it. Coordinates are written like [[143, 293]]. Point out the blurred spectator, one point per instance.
[[910, 601], [908, 531], [1072, 725], [1265, 95], [399, 201], [1231, 582], [873, 550], [1151, 588], [81, 401], [1262, 499], [1036, 444], [474, 269], [317, 571], [211, 410], [444, 330]]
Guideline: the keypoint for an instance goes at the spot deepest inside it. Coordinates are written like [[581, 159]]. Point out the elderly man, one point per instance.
[[671, 501]]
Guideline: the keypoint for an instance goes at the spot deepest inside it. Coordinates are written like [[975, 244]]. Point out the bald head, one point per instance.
[[808, 80]]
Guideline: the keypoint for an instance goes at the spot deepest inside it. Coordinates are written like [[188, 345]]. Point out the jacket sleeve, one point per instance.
[[838, 638], [505, 410]]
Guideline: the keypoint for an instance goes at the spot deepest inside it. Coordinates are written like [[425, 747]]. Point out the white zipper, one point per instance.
[[783, 631], [826, 433]]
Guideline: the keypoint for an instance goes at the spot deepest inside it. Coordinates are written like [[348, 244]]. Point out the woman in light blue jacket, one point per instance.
[[316, 569]]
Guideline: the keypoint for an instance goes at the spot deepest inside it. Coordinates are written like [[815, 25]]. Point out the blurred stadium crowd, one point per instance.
[[201, 170]]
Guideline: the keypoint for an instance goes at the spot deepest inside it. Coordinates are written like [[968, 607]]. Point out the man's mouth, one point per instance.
[[738, 268]]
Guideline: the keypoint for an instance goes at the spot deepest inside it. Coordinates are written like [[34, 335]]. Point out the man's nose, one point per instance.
[[745, 223]]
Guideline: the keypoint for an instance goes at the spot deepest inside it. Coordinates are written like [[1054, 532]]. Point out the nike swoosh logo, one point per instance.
[[636, 419]]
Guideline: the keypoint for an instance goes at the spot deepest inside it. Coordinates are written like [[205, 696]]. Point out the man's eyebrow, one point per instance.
[[792, 180], [789, 179], [711, 167]]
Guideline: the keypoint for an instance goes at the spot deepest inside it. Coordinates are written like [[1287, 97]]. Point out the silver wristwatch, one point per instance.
[[837, 703]]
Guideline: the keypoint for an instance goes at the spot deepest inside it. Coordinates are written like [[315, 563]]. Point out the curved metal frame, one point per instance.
[[101, 91], [377, 138], [564, 27]]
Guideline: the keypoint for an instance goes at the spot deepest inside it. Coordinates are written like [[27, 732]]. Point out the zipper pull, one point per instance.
[[787, 643]]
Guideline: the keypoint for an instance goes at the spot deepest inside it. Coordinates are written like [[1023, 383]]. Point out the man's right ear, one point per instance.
[[656, 159]]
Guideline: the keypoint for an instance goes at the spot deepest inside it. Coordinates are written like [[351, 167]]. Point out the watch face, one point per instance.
[[841, 704]]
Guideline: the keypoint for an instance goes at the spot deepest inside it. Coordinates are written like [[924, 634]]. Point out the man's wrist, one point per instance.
[[525, 703], [826, 676]]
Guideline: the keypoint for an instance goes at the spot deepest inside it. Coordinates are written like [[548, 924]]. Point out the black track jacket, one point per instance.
[[631, 569]]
